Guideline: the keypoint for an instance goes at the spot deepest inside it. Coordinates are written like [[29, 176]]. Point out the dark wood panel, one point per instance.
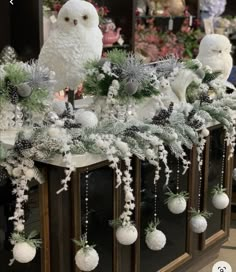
[[60, 223]]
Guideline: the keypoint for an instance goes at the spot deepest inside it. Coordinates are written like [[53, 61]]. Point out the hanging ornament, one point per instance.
[[126, 232], [86, 118], [131, 87], [23, 90], [177, 202], [155, 239], [24, 249], [220, 199], [86, 257], [126, 235], [198, 222]]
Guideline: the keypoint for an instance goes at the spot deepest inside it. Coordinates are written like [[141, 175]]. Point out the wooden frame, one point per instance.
[[44, 219], [76, 180], [225, 222], [172, 266]]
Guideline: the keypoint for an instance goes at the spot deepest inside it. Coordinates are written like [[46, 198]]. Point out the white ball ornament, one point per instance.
[[87, 259], [59, 107], [220, 200], [155, 239], [86, 118], [198, 223], [126, 235], [177, 205], [24, 252]]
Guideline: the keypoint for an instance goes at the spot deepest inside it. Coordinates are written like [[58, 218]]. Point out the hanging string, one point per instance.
[[155, 201], [200, 181], [177, 178], [223, 166], [86, 204]]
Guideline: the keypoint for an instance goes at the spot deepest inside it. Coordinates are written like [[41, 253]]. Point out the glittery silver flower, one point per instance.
[[134, 70], [39, 77], [165, 66]]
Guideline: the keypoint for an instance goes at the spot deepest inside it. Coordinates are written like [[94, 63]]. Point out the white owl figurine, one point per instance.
[[214, 51], [76, 40]]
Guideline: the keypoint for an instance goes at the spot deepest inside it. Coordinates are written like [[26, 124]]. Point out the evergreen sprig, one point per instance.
[[117, 56], [195, 212], [83, 243], [171, 195], [30, 239], [115, 223], [152, 225], [218, 189], [210, 76]]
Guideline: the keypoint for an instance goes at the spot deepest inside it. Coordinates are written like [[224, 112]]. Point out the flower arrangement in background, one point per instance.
[[102, 11], [225, 25], [53, 5], [152, 43]]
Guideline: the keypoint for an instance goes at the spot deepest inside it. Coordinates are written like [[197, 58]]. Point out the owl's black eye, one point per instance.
[[67, 19], [85, 17]]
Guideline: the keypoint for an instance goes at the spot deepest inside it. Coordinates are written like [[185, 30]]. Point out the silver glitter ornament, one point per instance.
[[24, 90], [131, 87]]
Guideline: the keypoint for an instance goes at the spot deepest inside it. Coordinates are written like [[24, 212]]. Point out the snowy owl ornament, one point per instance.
[[214, 51], [76, 40], [155, 239]]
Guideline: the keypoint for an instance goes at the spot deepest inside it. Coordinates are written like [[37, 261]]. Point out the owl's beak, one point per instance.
[[75, 22]]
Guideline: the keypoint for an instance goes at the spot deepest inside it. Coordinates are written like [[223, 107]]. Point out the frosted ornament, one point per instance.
[[155, 239], [23, 252], [86, 118], [177, 205], [220, 200], [126, 235], [198, 223], [24, 90], [87, 259]]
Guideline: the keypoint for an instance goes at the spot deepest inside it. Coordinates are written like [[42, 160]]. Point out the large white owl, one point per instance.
[[76, 40], [214, 51]]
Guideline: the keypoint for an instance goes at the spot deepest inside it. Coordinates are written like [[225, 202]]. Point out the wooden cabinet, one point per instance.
[[63, 216]]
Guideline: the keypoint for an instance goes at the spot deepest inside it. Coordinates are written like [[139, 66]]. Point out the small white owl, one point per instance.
[[76, 40], [214, 51]]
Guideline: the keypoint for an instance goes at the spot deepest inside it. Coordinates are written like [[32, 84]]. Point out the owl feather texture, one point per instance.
[[214, 51], [76, 40]]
